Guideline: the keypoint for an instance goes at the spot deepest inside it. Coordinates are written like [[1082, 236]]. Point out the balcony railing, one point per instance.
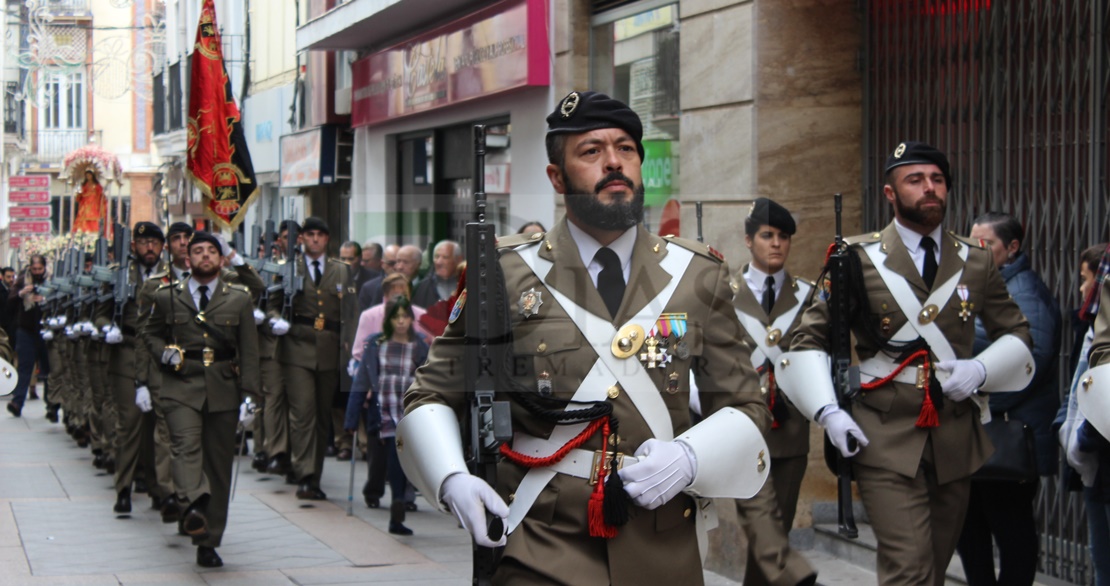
[[51, 146], [67, 6]]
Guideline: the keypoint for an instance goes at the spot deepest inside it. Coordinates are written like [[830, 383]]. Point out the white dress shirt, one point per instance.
[[912, 240], [588, 247], [757, 281], [323, 258], [194, 289]]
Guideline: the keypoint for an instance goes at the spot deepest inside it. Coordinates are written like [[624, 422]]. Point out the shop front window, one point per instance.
[[634, 58]]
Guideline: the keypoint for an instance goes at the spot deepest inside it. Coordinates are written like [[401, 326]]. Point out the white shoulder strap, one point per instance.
[[758, 332]]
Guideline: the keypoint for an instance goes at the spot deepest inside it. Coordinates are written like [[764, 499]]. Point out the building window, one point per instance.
[[634, 58]]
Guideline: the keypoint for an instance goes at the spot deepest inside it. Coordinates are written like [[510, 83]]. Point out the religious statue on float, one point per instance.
[[92, 205]]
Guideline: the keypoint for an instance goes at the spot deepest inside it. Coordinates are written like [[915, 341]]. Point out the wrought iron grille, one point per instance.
[[1016, 93]]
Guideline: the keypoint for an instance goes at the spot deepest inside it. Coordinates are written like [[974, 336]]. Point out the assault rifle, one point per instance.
[[124, 290], [489, 423], [846, 381], [291, 282], [102, 272]]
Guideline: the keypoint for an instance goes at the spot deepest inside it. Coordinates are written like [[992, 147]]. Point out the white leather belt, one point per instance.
[[877, 368], [579, 463]]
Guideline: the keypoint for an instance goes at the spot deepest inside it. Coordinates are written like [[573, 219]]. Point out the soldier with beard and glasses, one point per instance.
[[608, 321], [915, 293]]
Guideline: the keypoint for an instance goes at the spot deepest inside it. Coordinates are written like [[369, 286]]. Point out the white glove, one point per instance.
[[52, 323], [664, 469], [469, 497], [171, 357], [70, 333], [87, 329], [838, 424], [352, 368], [61, 321], [95, 334], [112, 334], [259, 317], [47, 335], [966, 376], [279, 326], [246, 415], [142, 399]]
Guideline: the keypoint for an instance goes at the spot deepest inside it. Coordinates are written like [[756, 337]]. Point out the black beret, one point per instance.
[[314, 223], [285, 226], [199, 237], [585, 111], [179, 228], [767, 212], [148, 230], [918, 153]]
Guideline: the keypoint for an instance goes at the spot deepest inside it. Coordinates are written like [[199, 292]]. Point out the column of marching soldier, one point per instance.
[[153, 355]]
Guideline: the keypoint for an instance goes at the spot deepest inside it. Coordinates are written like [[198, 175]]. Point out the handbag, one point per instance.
[[1014, 458]]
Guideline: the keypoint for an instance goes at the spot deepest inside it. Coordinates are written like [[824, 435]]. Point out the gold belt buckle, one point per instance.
[[603, 458], [209, 356], [319, 325]]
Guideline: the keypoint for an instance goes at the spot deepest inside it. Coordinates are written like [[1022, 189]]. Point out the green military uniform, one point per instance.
[[312, 355], [201, 400], [134, 429], [914, 481], [550, 354], [768, 516]]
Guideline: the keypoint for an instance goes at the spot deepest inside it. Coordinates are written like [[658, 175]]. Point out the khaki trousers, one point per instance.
[[917, 522], [203, 446], [275, 413], [766, 519], [309, 394]]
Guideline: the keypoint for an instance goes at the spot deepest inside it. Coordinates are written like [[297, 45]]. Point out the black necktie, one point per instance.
[[929, 273], [769, 294], [185, 276], [610, 281], [203, 296], [316, 272]]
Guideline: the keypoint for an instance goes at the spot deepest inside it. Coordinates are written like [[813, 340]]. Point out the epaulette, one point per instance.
[[695, 246], [972, 242], [336, 260], [160, 275], [864, 238], [515, 240], [239, 287], [163, 286]]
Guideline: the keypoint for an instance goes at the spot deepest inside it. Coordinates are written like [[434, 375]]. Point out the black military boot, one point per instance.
[[123, 501]]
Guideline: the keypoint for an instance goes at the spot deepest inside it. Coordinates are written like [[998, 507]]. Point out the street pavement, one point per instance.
[[57, 527]]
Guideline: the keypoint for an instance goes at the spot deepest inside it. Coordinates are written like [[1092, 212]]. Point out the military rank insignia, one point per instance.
[[530, 302], [674, 324], [456, 311]]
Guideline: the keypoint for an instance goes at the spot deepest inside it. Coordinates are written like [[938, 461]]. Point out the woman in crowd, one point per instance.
[[1086, 450], [388, 367], [1004, 509]]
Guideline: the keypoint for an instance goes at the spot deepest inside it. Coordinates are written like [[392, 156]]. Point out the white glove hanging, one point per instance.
[[112, 334], [279, 326], [966, 376], [838, 425], [663, 469], [469, 497], [259, 317], [142, 399], [171, 357]]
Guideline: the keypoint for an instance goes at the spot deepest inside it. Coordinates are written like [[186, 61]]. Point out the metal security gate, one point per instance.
[[1017, 93]]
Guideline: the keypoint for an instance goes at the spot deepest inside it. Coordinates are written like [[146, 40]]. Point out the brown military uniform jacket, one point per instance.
[[790, 437], [888, 415], [335, 303], [656, 547], [122, 360], [173, 320]]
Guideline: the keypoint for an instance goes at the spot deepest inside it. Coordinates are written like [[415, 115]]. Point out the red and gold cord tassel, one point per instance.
[[928, 416]]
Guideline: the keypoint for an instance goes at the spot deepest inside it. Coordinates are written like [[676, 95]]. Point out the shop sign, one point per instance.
[[308, 158], [500, 48], [15, 242], [29, 212], [29, 227], [29, 181], [626, 28], [657, 171], [29, 197]]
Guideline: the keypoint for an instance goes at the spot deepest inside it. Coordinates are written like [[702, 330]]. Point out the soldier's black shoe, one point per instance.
[[171, 509], [123, 502], [140, 485], [193, 523], [110, 468], [308, 491], [260, 462], [208, 558], [52, 413], [15, 410], [279, 465], [329, 451]]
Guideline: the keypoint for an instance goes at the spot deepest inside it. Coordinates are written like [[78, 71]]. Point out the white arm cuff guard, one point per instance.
[[8, 377], [429, 446], [1009, 364], [732, 457], [1093, 396], [806, 377]]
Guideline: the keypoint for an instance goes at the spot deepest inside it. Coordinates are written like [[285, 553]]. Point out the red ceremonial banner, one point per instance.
[[218, 160]]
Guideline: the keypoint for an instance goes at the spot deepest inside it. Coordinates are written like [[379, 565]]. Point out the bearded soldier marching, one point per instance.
[[613, 317]]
